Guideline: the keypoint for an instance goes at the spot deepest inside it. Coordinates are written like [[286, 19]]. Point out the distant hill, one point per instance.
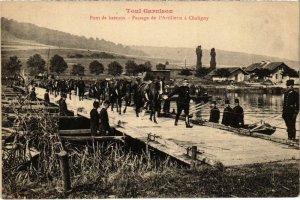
[[12, 30], [224, 58]]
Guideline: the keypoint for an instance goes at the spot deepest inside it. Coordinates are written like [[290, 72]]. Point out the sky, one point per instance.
[[266, 28]]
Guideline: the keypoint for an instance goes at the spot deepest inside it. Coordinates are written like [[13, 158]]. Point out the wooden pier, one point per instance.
[[214, 146]]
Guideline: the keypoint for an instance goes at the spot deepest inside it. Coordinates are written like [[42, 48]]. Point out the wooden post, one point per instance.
[[194, 152], [65, 170]]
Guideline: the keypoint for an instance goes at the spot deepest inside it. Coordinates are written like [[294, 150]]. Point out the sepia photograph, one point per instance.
[[149, 99]]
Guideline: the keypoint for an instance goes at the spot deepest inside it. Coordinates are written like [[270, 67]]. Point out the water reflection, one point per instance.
[[257, 106]]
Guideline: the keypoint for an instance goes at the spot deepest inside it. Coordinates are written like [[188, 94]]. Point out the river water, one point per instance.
[[257, 107]]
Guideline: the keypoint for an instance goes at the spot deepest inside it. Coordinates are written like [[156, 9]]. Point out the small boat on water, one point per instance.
[[248, 129]]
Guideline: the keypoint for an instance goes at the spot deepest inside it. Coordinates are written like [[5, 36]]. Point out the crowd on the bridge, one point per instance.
[[150, 95]]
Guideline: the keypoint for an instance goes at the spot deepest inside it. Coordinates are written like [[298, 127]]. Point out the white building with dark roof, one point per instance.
[[276, 70], [235, 74]]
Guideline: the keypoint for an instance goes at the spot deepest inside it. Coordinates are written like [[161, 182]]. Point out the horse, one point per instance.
[[148, 94]]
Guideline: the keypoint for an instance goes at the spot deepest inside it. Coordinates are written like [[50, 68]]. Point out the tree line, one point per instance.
[[37, 65]]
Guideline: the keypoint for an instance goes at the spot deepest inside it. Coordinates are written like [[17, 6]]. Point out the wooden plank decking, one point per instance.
[[214, 145]]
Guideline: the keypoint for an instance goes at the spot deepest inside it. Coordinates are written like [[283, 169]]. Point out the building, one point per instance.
[[275, 71], [162, 74], [235, 74]]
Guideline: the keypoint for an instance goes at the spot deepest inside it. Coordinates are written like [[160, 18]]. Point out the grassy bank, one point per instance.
[[262, 180]]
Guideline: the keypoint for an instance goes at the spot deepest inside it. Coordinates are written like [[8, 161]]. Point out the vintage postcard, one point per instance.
[[147, 99]]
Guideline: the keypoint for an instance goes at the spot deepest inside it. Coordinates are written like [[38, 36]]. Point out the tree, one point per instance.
[[131, 67], [96, 67], [262, 73], [114, 68], [186, 72], [13, 65], [143, 67], [201, 72], [58, 64], [147, 66], [160, 66], [77, 69], [36, 64], [167, 63]]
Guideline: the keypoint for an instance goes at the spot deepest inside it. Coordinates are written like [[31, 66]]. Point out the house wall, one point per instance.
[[276, 77], [217, 78], [239, 77]]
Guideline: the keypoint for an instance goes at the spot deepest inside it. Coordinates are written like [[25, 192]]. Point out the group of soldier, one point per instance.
[[233, 117]]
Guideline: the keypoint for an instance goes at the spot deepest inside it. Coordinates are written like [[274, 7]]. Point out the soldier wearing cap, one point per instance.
[[63, 109], [94, 118], [104, 121], [136, 95], [214, 113], [32, 95], [81, 88], [227, 114], [46, 98], [183, 102], [166, 106], [290, 109], [237, 115]]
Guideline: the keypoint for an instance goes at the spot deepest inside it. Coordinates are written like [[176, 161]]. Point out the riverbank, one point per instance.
[[279, 179]]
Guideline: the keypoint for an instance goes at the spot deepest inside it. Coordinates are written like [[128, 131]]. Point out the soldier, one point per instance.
[[81, 87], [112, 93], [104, 121], [94, 118], [46, 98], [183, 102], [238, 115], [166, 107], [214, 113], [63, 87], [227, 114], [63, 110], [32, 95], [290, 109]]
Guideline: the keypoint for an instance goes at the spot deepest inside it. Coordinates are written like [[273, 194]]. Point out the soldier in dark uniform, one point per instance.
[[63, 110], [94, 118], [104, 121], [290, 109], [167, 102], [112, 93], [46, 98], [227, 114], [32, 95], [81, 87], [238, 115], [136, 96], [214, 113], [183, 102], [63, 87]]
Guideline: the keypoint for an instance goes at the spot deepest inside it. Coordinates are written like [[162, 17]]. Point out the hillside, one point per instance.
[[12, 30], [224, 58]]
